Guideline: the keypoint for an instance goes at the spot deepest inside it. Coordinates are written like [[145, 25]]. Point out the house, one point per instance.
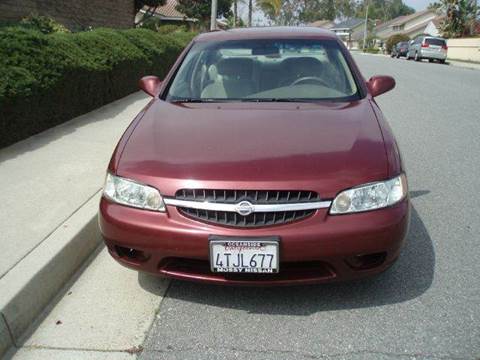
[[167, 13], [324, 24], [422, 22], [350, 31], [75, 15]]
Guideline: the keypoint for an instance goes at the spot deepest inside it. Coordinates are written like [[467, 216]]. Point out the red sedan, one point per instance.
[[262, 158]]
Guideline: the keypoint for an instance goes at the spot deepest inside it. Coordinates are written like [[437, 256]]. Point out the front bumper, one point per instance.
[[320, 248]]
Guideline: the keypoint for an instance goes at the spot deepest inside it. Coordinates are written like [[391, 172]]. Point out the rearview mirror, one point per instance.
[[150, 84], [380, 84]]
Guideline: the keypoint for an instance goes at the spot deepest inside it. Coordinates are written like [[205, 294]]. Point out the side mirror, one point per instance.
[[380, 84], [150, 84]]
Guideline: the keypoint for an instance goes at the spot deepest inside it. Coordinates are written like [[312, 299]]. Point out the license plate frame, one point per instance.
[[252, 242]]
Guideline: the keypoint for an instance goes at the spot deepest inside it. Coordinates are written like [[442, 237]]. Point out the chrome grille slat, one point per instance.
[[217, 206], [254, 196]]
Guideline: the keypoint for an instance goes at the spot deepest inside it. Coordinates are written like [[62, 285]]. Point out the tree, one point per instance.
[[395, 39], [281, 12], [250, 12], [460, 17], [434, 6], [201, 9], [305, 11], [322, 9], [383, 9], [271, 8], [343, 9], [235, 13]]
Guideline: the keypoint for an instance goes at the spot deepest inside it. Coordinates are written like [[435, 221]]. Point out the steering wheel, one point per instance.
[[309, 78]]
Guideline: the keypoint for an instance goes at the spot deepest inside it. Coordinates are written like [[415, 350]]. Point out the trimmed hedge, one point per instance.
[[48, 79], [372, 50]]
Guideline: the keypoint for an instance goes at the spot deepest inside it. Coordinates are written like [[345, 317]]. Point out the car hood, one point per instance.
[[323, 147]]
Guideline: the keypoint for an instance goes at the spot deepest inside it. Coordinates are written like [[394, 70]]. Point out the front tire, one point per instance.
[[417, 58]]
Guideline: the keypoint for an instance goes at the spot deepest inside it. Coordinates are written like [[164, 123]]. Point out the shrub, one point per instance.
[[43, 24], [48, 79], [168, 29], [372, 50], [394, 39], [157, 25]]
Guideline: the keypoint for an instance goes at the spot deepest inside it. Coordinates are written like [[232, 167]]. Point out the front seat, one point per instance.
[[234, 80], [295, 68]]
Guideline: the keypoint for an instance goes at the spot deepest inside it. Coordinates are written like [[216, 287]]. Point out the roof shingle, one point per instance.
[[168, 10]]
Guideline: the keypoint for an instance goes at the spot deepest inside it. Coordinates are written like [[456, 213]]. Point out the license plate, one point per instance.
[[244, 255]]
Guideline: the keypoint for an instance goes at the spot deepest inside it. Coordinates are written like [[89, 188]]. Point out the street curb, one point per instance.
[[29, 287]]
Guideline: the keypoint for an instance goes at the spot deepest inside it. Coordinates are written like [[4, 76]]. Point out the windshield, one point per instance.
[[264, 70]]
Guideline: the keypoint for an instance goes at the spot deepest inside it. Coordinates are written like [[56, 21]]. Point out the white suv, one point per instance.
[[428, 47]]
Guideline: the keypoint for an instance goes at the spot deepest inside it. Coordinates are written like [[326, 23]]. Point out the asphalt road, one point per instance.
[[427, 306]]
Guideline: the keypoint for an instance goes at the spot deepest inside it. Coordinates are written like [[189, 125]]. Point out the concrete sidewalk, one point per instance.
[[465, 64], [104, 312], [50, 187]]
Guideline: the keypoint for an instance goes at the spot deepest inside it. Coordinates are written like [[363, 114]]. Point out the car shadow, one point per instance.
[[407, 279]]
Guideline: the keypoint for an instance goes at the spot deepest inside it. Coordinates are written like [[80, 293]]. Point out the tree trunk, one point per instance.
[[235, 13], [250, 11]]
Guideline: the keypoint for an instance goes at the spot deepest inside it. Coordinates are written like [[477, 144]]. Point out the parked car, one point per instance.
[[262, 159], [400, 49], [428, 47]]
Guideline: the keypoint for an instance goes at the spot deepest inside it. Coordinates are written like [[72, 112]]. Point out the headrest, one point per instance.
[[236, 67], [303, 65], [212, 72]]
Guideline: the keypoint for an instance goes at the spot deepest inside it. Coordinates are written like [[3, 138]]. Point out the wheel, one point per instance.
[[442, 61], [430, 60], [407, 57], [417, 58], [398, 56]]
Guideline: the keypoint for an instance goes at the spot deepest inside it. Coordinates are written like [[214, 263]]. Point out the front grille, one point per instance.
[[256, 197]]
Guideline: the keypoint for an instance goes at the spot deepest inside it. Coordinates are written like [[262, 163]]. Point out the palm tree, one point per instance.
[[235, 13], [271, 8], [250, 11]]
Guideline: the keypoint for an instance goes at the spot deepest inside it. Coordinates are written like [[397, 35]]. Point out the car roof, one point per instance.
[[285, 32]]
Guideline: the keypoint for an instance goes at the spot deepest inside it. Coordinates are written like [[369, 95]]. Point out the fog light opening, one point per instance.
[[131, 254], [366, 261]]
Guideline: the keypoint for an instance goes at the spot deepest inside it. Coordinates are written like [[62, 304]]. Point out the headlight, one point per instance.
[[131, 193], [370, 196]]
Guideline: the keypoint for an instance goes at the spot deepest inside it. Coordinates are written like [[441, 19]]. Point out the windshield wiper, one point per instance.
[[191, 100], [210, 100], [272, 100]]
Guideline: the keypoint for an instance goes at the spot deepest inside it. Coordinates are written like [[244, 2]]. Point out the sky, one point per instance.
[[418, 4]]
